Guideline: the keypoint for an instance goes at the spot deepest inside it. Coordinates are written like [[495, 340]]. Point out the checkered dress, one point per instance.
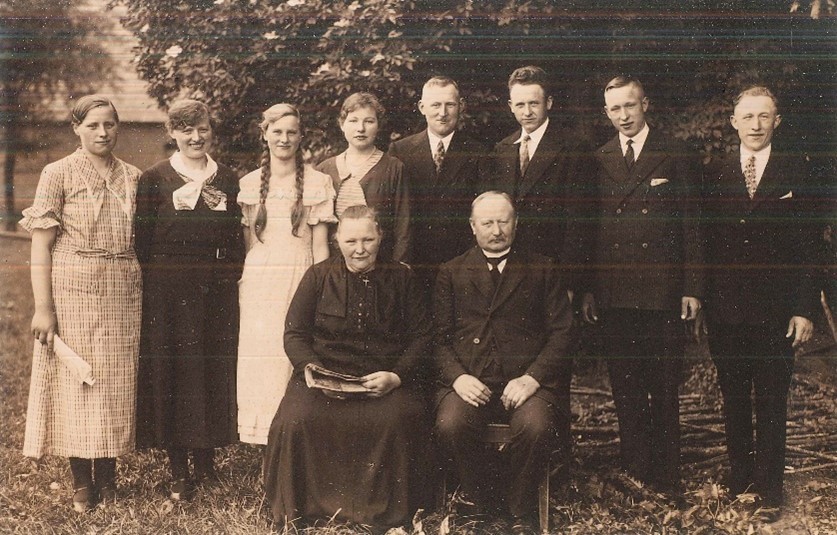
[[96, 287]]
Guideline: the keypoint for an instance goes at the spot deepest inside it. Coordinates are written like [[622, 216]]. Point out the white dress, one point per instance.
[[272, 271]]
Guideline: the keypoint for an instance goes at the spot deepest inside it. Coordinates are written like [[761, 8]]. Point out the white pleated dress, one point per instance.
[[96, 288], [272, 272]]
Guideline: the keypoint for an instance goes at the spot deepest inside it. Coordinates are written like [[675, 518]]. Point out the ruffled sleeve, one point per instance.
[[248, 196], [318, 194], [47, 208]]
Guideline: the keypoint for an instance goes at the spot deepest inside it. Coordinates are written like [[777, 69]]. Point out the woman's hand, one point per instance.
[[381, 383], [44, 326]]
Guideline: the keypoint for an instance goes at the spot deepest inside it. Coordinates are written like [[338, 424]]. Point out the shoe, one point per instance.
[[180, 489], [521, 525], [206, 476], [81, 499]]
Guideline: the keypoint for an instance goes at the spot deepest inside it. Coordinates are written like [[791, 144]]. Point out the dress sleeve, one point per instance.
[[47, 208], [319, 195], [248, 197]]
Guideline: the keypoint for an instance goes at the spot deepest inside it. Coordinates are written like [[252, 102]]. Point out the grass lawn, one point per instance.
[[35, 497]]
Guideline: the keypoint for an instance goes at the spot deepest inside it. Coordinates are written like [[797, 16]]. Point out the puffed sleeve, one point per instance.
[[46, 210], [248, 196], [318, 194]]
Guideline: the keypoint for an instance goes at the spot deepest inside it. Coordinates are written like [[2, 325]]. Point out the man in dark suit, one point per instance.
[[502, 326], [541, 170], [645, 279], [441, 171], [762, 292]]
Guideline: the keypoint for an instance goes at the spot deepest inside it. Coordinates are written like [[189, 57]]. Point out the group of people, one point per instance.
[[441, 277]]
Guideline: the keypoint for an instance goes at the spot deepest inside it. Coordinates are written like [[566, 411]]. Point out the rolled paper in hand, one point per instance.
[[69, 358]]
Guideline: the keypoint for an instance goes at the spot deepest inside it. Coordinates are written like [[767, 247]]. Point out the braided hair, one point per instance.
[[270, 116]]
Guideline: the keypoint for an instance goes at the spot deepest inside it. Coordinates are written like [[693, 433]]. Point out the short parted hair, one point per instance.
[[359, 211], [276, 112], [622, 80], [360, 100], [492, 193], [187, 112], [756, 91], [89, 102], [530, 75], [441, 81]]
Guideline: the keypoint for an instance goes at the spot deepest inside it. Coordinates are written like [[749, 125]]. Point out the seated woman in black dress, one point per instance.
[[363, 458]]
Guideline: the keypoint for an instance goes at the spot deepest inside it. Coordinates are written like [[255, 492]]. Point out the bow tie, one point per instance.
[[496, 260]]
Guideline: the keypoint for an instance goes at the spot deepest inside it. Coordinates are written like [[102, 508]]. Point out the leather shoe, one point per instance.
[[180, 489], [82, 499]]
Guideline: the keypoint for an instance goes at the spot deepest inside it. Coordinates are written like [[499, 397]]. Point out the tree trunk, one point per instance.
[[11, 131]]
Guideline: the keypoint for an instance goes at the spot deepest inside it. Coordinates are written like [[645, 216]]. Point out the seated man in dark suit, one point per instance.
[[502, 329], [441, 171]]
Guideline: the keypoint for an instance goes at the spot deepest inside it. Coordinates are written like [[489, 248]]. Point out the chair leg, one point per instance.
[[543, 500]]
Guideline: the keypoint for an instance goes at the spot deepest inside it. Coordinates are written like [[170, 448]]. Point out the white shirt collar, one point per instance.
[[763, 154], [534, 137], [434, 141], [194, 175], [762, 157], [638, 141], [502, 264]]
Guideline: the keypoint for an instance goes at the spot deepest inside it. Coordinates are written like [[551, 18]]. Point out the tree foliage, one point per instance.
[[47, 50], [240, 56]]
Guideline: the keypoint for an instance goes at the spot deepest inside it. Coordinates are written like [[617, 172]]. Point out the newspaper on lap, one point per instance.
[[335, 384]]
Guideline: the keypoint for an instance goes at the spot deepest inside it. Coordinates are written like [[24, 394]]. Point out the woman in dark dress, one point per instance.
[[362, 459], [188, 240], [363, 174]]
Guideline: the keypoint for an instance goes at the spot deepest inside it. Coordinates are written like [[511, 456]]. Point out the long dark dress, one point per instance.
[[365, 460], [191, 261]]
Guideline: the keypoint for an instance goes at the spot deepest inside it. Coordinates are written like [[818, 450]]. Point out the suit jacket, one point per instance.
[[440, 203], [548, 197], [527, 320], [760, 250], [647, 251]]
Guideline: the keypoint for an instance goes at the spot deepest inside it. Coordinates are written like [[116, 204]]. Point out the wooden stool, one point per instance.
[[499, 436]]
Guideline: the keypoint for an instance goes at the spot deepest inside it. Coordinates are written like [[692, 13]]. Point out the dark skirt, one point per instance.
[[365, 460], [186, 384]]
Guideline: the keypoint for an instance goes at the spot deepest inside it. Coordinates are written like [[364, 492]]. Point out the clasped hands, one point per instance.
[[475, 392], [381, 383]]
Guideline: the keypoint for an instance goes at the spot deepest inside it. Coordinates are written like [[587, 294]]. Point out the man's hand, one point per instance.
[[518, 390], [801, 329], [588, 309], [381, 383], [471, 390]]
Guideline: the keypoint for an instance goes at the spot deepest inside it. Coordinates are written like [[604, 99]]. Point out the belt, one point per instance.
[[103, 253]]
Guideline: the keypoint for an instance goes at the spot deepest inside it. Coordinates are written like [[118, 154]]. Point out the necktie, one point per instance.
[[439, 157], [750, 176], [629, 154], [495, 268], [524, 154]]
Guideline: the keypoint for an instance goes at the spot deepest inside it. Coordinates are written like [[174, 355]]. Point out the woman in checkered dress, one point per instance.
[[87, 286]]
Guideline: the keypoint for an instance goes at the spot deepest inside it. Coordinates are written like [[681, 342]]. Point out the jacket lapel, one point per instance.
[[453, 161], [734, 187], [548, 150], [511, 279], [771, 178], [479, 275], [613, 161], [650, 158]]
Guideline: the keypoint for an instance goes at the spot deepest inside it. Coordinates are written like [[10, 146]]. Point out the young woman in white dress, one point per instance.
[[286, 207]]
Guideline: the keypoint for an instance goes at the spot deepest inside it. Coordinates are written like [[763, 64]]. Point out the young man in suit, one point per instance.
[[441, 171], [502, 329], [540, 169], [762, 293], [644, 279]]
